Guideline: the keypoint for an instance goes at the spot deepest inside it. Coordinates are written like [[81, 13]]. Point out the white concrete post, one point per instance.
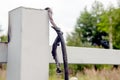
[[28, 50]]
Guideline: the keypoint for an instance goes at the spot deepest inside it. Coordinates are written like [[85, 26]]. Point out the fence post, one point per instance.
[[28, 50]]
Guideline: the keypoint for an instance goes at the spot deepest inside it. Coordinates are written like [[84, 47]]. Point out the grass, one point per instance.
[[91, 74], [87, 74], [2, 74]]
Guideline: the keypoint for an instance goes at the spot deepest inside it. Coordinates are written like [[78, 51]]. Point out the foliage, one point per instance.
[[92, 29], [86, 33], [4, 38], [80, 37], [91, 74], [104, 25], [74, 39], [52, 68]]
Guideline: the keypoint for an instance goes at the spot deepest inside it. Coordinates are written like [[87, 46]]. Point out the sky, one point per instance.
[[65, 12]]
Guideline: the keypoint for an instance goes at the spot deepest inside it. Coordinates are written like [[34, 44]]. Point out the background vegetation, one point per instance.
[[3, 38], [97, 28], [3, 66]]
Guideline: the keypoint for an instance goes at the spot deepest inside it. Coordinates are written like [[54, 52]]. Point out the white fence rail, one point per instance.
[[77, 55], [81, 55]]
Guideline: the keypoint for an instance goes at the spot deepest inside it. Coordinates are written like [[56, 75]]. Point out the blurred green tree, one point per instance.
[[86, 33], [4, 38], [110, 23]]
